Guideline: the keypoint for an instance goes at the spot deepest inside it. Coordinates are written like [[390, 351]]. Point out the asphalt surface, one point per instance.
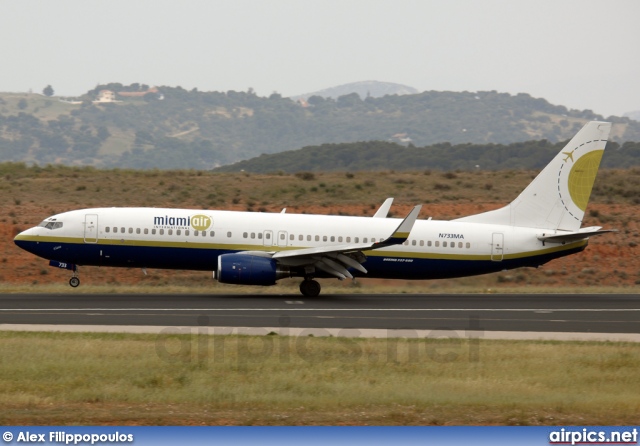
[[592, 313]]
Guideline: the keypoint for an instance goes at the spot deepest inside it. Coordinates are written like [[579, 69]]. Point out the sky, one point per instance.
[[583, 54]]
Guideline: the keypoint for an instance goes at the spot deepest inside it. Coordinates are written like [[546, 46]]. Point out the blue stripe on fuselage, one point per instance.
[[205, 259]]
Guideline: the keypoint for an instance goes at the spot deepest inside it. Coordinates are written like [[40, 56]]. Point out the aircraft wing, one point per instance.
[[336, 259], [564, 237]]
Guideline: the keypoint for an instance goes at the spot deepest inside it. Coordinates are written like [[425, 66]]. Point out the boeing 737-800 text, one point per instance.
[[541, 224]]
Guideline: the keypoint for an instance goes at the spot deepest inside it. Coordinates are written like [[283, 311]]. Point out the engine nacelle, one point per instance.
[[246, 269]]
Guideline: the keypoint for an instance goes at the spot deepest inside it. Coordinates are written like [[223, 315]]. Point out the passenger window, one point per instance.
[[437, 244], [429, 243], [340, 239], [292, 237], [468, 245], [153, 232], [333, 238], [324, 238], [259, 235], [317, 238], [122, 230], [406, 242], [196, 233], [130, 230], [186, 232], [308, 238], [229, 234], [413, 242], [459, 244], [204, 233], [267, 236], [115, 230], [282, 236], [170, 232], [253, 235], [364, 240], [178, 232], [107, 229], [245, 234], [357, 239], [348, 239], [137, 230], [421, 242], [453, 244], [300, 237], [444, 244], [161, 231], [212, 233], [146, 230]]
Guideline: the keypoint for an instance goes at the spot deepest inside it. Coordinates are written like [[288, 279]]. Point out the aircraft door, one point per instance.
[[282, 238], [91, 228], [497, 247], [267, 238]]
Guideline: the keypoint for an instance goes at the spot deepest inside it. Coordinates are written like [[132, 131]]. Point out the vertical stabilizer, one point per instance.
[[557, 198]]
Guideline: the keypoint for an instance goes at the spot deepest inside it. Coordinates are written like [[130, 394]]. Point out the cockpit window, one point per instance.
[[50, 224]]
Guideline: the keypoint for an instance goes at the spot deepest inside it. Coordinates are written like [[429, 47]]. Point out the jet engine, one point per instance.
[[246, 269]]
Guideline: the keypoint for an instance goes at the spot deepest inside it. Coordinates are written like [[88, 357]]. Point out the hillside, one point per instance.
[[635, 115], [171, 127], [365, 89], [380, 155]]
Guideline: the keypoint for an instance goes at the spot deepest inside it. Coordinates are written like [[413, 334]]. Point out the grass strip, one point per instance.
[[196, 378]]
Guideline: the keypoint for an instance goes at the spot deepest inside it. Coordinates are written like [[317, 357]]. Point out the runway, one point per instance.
[[478, 313]]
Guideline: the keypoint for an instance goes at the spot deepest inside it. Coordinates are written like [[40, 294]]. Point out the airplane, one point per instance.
[[248, 248]]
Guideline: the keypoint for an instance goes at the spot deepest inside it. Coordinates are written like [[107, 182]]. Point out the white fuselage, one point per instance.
[[193, 239]]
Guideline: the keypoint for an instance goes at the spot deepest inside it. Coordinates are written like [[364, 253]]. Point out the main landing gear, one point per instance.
[[310, 288]]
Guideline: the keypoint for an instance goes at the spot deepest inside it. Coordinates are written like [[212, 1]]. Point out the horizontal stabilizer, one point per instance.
[[565, 237]]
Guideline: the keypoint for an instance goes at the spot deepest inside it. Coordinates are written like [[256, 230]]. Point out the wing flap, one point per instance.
[[334, 268]]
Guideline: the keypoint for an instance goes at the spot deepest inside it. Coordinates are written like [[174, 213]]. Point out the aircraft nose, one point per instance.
[[22, 240]]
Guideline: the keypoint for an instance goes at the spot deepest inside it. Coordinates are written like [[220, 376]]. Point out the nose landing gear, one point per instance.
[[74, 281]]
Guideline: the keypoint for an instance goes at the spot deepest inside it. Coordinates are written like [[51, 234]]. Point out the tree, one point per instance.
[[103, 133], [349, 100], [315, 100], [48, 91]]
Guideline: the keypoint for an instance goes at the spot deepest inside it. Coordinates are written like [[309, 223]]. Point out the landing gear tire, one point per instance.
[[310, 288], [74, 282]]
